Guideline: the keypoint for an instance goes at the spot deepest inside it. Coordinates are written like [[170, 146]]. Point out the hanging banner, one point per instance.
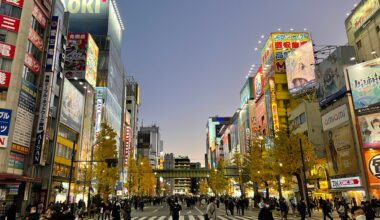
[[36, 39], [5, 78], [32, 63], [52, 44], [9, 23], [7, 50], [42, 120], [18, 3], [39, 16], [5, 123]]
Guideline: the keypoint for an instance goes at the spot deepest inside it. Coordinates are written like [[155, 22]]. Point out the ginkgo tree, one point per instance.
[[106, 175]]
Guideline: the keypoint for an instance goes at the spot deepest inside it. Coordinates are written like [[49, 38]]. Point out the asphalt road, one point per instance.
[[162, 213]]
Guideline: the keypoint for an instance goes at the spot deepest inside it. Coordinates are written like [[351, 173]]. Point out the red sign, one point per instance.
[[7, 50], [9, 23], [127, 143], [36, 39], [39, 16], [5, 78], [18, 3], [32, 63]]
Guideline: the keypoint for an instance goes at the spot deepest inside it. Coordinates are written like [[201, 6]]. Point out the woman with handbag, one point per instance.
[[211, 210]]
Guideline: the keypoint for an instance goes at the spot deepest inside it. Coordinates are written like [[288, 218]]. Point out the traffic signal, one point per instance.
[[111, 162]]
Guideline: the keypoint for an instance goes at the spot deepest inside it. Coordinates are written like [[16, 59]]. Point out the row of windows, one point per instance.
[[299, 120], [67, 133], [61, 170], [10, 10], [5, 64], [37, 27], [64, 151]]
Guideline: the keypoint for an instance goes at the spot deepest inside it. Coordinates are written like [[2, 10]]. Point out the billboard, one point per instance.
[[335, 117], [81, 58], [349, 182], [72, 106], [273, 104], [372, 165], [370, 130], [246, 92], [7, 50], [5, 123], [330, 75], [18, 3], [9, 23], [363, 13], [364, 81], [340, 149], [39, 16], [32, 63], [260, 114], [277, 47], [258, 84], [300, 67], [25, 114]]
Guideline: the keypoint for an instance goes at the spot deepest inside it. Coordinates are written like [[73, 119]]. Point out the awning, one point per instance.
[[6, 178]]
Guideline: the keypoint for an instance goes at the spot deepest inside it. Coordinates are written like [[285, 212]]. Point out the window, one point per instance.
[[29, 76], [129, 101], [33, 50], [37, 27], [3, 35], [10, 10], [5, 64], [67, 133], [302, 118]]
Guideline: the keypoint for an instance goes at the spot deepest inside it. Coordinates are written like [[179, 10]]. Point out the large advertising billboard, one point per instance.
[[246, 92], [362, 13], [5, 123], [340, 150], [372, 161], [260, 115], [330, 75], [279, 45], [300, 67], [370, 130], [258, 84], [72, 106], [365, 86], [81, 58]]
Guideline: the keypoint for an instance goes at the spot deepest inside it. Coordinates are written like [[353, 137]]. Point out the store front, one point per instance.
[[348, 188]]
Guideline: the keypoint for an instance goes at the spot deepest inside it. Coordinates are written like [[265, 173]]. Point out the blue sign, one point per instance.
[[5, 123]]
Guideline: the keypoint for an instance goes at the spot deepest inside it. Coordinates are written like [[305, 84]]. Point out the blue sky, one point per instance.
[[191, 57]]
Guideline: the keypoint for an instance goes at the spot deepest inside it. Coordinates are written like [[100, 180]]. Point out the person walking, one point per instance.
[[127, 210], [211, 209], [176, 209], [231, 206], [326, 209], [302, 209], [343, 210], [265, 212], [284, 209]]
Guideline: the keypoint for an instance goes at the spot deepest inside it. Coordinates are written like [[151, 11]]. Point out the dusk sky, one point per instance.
[[191, 57]]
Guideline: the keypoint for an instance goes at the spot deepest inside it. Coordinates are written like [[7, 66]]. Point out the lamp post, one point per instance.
[[305, 180]]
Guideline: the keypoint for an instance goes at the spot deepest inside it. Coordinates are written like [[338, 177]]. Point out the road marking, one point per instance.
[[240, 217], [162, 218], [220, 217], [152, 218], [156, 210], [191, 217], [182, 217], [199, 211]]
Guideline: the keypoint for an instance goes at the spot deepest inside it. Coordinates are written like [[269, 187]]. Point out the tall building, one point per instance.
[[132, 106], [182, 185], [150, 136], [23, 39], [214, 124], [363, 27]]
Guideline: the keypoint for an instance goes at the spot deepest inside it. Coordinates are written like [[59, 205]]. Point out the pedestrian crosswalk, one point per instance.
[[195, 217]]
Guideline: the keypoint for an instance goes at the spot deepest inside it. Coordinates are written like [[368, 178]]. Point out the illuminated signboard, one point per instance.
[[32, 63], [81, 58], [273, 101], [39, 16], [246, 92], [9, 23], [372, 161], [346, 182], [7, 50], [258, 84], [300, 67], [365, 85], [370, 130], [86, 6], [36, 39], [278, 46], [363, 13], [18, 3]]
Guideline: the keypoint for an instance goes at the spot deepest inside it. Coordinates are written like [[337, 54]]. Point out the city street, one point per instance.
[[162, 213]]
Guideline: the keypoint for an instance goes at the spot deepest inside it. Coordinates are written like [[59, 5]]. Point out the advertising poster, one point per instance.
[[340, 150], [335, 117], [75, 62], [72, 106], [16, 163], [246, 92], [300, 67], [25, 114], [5, 123], [364, 11], [370, 130], [372, 161], [268, 109], [330, 75], [273, 104], [283, 43], [87, 131], [258, 84], [92, 61], [365, 85], [260, 115]]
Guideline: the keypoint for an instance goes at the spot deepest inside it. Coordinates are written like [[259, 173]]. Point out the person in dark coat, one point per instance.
[[11, 213], [326, 209], [302, 209], [265, 212], [127, 211], [176, 209], [116, 211]]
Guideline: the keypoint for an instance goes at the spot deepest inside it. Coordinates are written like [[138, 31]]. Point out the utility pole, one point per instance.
[[71, 173], [304, 180]]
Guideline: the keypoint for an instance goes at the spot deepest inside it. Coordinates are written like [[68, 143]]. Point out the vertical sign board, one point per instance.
[[5, 123], [9, 23], [42, 120], [52, 45]]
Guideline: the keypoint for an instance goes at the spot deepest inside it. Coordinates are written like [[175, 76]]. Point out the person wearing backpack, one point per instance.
[[211, 210], [343, 210]]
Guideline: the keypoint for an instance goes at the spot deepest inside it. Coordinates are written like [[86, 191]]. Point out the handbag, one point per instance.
[[205, 216]]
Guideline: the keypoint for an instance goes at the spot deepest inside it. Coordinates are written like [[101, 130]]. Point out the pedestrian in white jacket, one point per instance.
[[211, 209]]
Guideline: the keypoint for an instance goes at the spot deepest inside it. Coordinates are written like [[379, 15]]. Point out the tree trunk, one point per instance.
[[279, 188], [267, 189], [299, 182]]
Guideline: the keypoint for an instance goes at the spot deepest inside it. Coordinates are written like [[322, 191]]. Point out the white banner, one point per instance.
[[335, 117], [346, 182]]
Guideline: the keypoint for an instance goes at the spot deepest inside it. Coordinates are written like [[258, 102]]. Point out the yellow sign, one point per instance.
[[323, 185], [273, 100]]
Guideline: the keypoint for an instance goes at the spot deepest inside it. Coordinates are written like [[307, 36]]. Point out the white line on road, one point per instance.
[[199, 211], [162, 218], [152, 218], [181, 217], [220, 217], [191, 217], [156, 210]]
